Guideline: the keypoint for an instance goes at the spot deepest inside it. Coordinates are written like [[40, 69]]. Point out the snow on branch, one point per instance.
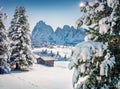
[[85, 50], [111, 3], [88, 51]]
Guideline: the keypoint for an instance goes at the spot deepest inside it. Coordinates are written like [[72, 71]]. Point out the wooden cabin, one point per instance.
[[40, 60], [47, 61]]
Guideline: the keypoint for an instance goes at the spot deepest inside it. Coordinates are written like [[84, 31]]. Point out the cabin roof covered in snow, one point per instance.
[[47, 58]]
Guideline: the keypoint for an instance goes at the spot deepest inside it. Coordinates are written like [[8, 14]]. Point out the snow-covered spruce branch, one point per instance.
[[90, 60]]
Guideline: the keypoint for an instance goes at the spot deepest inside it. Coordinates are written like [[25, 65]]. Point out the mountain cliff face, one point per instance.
[[62, 36], [41, 32]]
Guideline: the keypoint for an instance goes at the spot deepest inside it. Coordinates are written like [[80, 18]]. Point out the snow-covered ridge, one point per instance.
[[65, 36]]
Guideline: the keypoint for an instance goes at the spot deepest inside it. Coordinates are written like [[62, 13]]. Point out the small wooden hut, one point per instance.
[[47, 61]]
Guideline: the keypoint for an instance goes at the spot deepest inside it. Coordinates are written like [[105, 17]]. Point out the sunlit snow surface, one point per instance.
[[40, 77]]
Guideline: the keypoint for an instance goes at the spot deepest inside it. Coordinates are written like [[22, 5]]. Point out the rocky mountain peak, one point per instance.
[[65, 36]]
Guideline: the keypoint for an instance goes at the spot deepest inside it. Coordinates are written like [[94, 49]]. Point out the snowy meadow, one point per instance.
[[41, 76]]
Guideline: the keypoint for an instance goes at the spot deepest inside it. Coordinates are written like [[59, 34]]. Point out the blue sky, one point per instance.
[[53, 12]]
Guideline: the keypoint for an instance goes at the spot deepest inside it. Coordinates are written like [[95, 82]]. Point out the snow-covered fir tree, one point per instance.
[[65, 57], [51, 53], [4, 46], [96, 61], [21, 56]]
